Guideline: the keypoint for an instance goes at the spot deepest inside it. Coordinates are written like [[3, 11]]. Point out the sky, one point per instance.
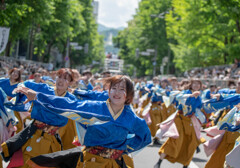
[[116, 13]]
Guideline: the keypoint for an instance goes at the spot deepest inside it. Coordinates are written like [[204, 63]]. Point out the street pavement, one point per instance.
[[149, 156]]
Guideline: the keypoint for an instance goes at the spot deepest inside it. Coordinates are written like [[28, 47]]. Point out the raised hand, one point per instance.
[[31, 94], [217, 96], [195, 94]]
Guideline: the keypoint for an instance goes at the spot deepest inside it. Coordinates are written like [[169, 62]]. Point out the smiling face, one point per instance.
[[155, 81], [164, 84], [174, 83], [14, 75], [213, 88], [117, 93], [63, 81], [88, 76], [37, 77], [196, 86]]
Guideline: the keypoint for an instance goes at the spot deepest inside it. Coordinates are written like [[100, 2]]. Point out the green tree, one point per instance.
[[21, 16], [88, 37], [52, 23], [145, 32], [206, 32], [199, 33]]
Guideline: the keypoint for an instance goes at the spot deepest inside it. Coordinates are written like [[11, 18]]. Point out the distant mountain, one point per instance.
[[121, 28], [104, 28], [108, 34]]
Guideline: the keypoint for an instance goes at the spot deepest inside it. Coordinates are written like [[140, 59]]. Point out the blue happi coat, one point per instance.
[[7, 87], [126, 132], [42, 114], [91, 95], [191, 105], [82, 85]]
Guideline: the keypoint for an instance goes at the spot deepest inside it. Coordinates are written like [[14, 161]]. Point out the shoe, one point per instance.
[[157, 165], [156, 142], [185, 166], [198, 150]]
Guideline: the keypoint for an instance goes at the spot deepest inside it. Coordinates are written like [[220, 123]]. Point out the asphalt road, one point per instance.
[[149, 156]]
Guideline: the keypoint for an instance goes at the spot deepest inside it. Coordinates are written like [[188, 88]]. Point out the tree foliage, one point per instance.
[[199, 33], [50, 24], [145, 32]]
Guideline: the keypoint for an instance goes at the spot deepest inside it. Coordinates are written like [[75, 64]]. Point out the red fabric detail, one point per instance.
[[31, 77], [76, 143], [9, 98], [105, 152], [51, 130], [16, 160], [210, 135], [180, 111]]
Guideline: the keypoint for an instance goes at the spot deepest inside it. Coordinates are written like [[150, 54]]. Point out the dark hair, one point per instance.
[[37, 73], [19, 73], [87, 72], [173, 79], [155, 78], [106, 72], [117, 79], [65, 72], [195, 80], [164, 80], [213, 85], [184, 81], [231, 82]]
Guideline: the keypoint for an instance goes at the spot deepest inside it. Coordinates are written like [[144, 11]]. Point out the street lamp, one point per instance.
[[149, 52]]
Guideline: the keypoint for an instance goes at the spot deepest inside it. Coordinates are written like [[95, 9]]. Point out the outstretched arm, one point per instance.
[[73, 109]]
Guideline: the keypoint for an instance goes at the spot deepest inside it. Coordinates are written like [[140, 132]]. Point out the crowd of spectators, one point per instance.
[[32, 69], [27, 67], [224, 75], [223, 72]]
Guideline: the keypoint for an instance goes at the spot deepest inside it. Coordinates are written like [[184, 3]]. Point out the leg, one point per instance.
[[156, 141], [162, 156], [198, 149]]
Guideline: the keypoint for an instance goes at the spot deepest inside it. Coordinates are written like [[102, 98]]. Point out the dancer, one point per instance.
[[181, 149], [106, 144], [43, 129]]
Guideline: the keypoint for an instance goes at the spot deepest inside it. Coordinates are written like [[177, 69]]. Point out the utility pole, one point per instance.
[[67, 59], [168, 64], [28, 45], [155, 61], [17, 49]]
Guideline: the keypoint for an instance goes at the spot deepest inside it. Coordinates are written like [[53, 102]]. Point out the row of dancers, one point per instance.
[[112, 119], [180, 111]]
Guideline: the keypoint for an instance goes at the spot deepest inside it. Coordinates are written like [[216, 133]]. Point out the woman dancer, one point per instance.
[[43, 130], [182, 148], [7, 85], [107, 144]]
